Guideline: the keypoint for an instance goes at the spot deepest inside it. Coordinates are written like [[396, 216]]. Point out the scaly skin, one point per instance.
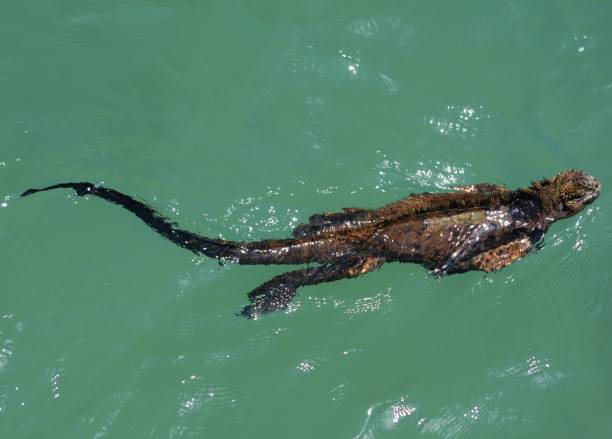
[[481, 227]]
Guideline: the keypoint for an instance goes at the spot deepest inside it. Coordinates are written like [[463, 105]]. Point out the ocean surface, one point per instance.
[[240, 119]]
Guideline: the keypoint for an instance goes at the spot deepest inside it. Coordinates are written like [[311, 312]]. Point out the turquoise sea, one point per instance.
[[240, 119]]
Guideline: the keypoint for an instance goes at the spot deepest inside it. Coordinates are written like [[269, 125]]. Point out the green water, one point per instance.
[[241, 118]]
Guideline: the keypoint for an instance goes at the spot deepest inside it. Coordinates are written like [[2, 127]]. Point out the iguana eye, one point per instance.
[[578, 195]]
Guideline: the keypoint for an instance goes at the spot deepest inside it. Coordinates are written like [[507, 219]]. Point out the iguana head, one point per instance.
[[567, 193]]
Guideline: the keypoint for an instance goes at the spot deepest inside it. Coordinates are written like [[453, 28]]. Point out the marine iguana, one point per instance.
[[480, 227]]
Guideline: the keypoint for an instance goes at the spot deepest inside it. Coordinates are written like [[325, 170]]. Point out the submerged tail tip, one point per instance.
[[83, 188], [29, 192]]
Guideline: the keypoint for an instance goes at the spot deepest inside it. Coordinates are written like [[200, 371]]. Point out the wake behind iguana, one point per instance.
[[480, 227]]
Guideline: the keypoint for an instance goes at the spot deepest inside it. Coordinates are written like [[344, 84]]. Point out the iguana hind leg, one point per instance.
[[276, 293], [329, 221]]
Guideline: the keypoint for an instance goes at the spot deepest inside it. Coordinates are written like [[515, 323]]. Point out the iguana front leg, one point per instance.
[[280, 290], [499, 257], [490, 260]]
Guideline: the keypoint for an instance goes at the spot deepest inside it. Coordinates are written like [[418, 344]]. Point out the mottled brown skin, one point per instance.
[[480, 227]]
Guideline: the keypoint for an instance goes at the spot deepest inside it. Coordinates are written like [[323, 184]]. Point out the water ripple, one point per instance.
[[386, 28], [440, 174], [386, 415], [461, 121]]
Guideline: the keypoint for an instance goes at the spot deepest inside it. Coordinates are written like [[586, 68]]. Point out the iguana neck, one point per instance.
[[547, 195]]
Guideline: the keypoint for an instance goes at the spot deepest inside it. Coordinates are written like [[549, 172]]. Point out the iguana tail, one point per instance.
[[285, 251]]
